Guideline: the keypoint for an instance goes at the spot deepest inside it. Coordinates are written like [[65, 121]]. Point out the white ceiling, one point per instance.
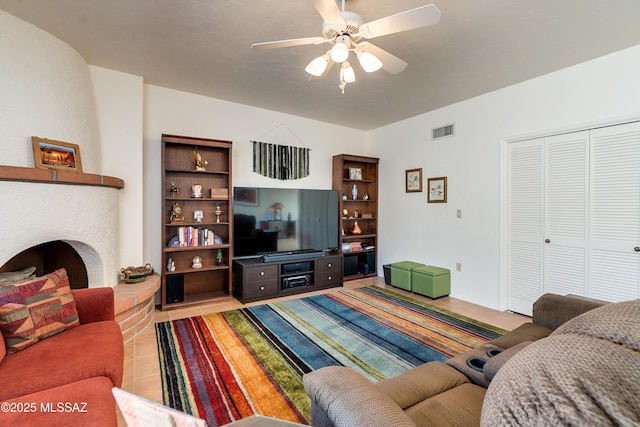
[[203, 47]]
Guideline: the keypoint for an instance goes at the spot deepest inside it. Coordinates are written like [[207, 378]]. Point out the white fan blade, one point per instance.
[[331, 14], [288, 43], [422, 16], [390, 63], [324, 74]]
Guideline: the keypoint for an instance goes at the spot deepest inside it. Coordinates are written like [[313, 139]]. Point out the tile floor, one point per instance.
[[141, 367]]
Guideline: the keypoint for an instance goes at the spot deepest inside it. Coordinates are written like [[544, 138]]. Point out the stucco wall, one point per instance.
[[46, 92]]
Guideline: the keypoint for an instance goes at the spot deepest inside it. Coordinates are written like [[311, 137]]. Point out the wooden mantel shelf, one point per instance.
[[53, 176]]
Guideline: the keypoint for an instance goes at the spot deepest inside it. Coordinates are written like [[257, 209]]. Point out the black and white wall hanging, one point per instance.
[[280, 161]]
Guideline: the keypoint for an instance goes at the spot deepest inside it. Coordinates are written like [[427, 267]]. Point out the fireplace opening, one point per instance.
[[49, 257]]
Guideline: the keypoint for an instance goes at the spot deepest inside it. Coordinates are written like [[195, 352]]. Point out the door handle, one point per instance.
[[637, 249], [547, 241]]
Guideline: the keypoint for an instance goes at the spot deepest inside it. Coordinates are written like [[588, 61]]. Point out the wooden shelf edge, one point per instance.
[[53, 176], [197, 270]]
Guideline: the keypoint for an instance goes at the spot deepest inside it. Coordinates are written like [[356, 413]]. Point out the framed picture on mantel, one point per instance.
[[51, 154]]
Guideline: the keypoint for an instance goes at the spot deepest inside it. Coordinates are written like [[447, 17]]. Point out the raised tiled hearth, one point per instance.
[[135, 305]]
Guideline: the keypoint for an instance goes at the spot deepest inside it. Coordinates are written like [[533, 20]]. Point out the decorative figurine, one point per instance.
[[354, 192], [200, 162], [198, 215], [219, 257], [218, 213], [171, 266], [355, 214], [174, 190], [344, 196], [197, 262], [176, 214], [196, 191], [366, 196]]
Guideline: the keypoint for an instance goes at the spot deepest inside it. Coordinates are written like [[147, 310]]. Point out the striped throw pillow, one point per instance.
[[36, 309]]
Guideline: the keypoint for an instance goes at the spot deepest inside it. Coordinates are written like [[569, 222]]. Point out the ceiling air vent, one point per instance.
[[443, 131]]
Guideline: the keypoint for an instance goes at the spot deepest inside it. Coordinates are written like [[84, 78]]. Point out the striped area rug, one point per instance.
[[225, 366]]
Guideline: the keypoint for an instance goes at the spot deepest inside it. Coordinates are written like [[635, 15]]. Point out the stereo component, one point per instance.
[[296, 281]]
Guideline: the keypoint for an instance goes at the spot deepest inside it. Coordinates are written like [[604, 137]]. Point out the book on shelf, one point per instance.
[[194, 236], [352, 247]]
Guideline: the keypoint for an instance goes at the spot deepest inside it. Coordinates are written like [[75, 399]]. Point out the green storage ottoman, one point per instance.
[[401, 274], [430, 281]]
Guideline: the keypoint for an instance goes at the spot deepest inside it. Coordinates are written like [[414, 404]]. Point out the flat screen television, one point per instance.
[[272, 220]]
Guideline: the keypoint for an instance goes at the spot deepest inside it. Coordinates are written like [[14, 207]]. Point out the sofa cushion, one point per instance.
[[3, 350], [459, 406], [94, 349], [614, 322], [523, 333], [566, 380], [36, 309], [585, 373], [350, 400], [421, 382], [84, 403]]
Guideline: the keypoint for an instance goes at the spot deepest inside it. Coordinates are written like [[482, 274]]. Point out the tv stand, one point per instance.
[[257, 279], [291, 256]]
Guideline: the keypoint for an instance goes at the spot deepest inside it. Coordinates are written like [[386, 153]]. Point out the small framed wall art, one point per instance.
[[50, 154], [437, 190], [413, 180]]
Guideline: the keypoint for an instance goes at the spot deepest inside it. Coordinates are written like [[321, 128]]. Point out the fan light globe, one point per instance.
[[369, 62], [347, 74], [317, 66], [340, 51]]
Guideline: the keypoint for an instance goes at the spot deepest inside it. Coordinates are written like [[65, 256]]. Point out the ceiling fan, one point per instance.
[[347, 32]]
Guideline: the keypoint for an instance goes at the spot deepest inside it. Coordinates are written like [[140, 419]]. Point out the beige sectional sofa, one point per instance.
[[506, 381]]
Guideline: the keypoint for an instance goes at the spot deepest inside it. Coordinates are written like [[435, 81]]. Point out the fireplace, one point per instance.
[[56, 219], [49, 257]]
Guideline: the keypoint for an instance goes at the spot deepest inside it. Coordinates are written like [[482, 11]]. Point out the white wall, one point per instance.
[[119, 106], [595, 92], [179, 113], [45, 91]]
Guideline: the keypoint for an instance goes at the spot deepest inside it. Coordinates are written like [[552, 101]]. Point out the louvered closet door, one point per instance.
[[565, 219], [525, 227], [615, 212]]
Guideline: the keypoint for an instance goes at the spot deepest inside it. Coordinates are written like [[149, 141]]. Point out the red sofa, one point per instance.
[[66, 379]]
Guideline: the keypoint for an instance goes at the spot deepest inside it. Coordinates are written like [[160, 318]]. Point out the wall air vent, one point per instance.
[[443, 131]]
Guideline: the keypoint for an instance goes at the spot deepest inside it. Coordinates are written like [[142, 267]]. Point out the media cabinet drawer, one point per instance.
[[328, 279], [261, 290], [327, 264], [261, 273]]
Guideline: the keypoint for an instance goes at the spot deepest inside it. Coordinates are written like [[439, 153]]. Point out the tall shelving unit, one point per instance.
[[184, 280], [359, 250]]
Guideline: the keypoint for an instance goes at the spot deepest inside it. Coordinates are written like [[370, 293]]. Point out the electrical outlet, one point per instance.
[[459, 213], [458, 266]]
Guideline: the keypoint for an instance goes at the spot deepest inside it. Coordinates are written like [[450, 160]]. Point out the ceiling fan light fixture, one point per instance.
[[317, 66], [340, 51], [369, 62], [346, 73]]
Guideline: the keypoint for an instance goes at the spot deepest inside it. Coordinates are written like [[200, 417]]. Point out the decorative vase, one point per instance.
[[218, 213], [356, 228], [219, 257], [354, 192]]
